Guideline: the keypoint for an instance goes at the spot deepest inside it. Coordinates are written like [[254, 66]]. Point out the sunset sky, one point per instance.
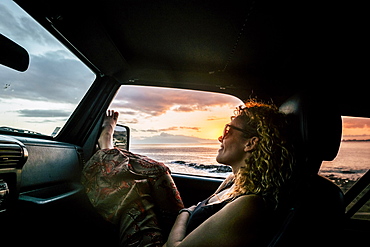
[[356, 128], [44, 97], [170, 114]]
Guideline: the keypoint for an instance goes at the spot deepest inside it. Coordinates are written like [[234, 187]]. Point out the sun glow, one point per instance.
[[163, 114]]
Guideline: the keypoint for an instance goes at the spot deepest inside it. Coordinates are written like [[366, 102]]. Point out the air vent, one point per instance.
[[12, 154]]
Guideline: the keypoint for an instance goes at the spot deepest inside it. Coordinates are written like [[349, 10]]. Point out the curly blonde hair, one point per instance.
[[269, 169]]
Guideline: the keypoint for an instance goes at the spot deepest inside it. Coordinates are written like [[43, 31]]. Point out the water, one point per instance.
[[352, 161], [188, 154]]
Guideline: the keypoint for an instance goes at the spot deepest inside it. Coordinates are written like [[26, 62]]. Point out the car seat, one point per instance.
[[314, 217]]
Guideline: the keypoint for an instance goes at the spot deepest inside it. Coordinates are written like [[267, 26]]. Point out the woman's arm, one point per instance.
[[178, 231], [239, 223]]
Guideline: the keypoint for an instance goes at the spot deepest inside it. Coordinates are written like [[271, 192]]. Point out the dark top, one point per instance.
[[203, 211]]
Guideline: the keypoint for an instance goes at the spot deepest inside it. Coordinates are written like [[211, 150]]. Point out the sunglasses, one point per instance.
[[227, 130]]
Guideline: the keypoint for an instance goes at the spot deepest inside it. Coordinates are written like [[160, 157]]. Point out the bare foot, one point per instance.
[[105, 140]]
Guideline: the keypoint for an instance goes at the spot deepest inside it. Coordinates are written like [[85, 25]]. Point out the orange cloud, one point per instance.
[[351, 123], [353, 127], [154, 101], [173, 128]]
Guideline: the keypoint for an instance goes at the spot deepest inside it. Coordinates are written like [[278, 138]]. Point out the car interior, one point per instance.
[[303, 56]]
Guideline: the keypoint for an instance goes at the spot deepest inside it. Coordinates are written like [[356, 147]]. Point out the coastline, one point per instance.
[[199, 159], [343, 183]]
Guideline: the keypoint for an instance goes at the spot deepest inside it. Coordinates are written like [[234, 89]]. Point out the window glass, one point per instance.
[[353, 158], [352, 162], [177, 127], [40, 100]]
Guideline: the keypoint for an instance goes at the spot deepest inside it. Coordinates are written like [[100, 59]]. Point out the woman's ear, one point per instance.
[[251, 143]]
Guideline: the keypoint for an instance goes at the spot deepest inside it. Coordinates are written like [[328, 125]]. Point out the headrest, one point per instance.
[[318, 125]]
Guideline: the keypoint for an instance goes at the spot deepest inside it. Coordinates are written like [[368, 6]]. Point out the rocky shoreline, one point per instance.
[[344, 184], [208, 168]]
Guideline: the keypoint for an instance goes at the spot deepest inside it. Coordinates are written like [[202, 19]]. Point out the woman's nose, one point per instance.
[[220, 139]]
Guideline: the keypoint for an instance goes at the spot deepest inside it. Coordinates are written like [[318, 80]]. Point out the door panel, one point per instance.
[[50, 162], [51, 207]]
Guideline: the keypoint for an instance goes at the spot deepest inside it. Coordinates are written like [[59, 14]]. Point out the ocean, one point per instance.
[[352, 161], [183, 158]]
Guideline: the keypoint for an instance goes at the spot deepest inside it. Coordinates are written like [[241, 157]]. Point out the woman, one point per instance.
[[257, 147]]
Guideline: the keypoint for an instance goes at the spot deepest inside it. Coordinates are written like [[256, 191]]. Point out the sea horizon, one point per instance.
[[351, 163]]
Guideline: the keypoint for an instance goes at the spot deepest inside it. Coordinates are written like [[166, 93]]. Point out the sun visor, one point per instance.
[[13, 55]]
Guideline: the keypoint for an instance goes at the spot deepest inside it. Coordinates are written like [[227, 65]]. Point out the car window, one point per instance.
[[177, 127], [352, 161], [40, 100]]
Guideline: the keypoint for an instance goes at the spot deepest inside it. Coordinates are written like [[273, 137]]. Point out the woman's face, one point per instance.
[[232, 150]]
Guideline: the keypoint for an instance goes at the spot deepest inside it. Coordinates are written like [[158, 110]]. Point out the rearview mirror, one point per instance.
[[121, 137], [13, 55]]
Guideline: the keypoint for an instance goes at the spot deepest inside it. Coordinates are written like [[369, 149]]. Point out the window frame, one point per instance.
[[51, 31], [356, 197]]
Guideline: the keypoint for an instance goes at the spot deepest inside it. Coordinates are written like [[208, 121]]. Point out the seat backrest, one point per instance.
[[315, 217], [319, 128]]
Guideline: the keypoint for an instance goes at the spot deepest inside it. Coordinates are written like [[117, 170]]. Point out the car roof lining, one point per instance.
[[269, 49]]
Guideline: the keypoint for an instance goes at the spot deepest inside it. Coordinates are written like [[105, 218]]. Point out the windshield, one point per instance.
[[40, 100]]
